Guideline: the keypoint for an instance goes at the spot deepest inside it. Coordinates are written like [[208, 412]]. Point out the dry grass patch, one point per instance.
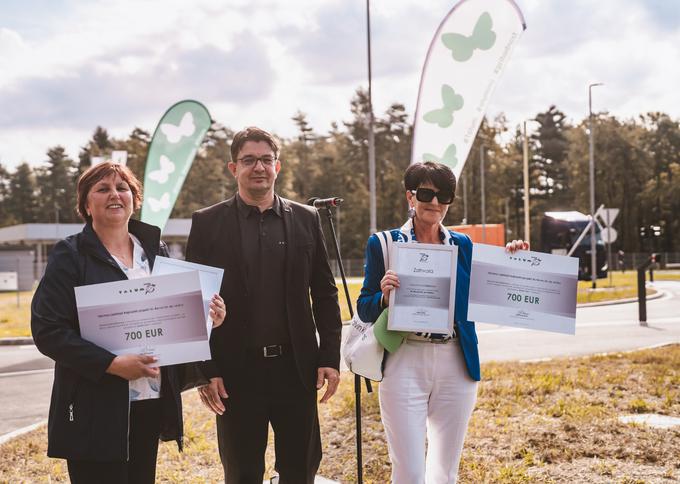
[[547, 422]]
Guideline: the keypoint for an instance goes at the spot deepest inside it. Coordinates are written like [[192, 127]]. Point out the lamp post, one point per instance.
[[525, 157], [371, 137], [593, 247], [482, 189]]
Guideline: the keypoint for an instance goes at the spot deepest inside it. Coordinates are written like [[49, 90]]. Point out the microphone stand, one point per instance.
[[357, 378]]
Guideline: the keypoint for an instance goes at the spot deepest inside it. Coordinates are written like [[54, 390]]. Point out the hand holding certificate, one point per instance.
[[526, 289], [162, 316], [424, 300]]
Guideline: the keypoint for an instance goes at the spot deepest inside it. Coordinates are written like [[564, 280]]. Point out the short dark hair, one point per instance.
[[252, 133], [439, 175], [98, 172]]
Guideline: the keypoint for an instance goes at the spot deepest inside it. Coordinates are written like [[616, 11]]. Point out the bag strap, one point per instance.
[[385, 238]]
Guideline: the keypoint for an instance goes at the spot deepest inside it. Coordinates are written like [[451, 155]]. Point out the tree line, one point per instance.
[[637, 169]]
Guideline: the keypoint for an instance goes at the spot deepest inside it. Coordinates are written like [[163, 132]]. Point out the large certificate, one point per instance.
[[424, 300], [526, 289], [210, 277], [162, 316]]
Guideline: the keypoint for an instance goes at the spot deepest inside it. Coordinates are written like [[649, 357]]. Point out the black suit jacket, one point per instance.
[[215, 240]]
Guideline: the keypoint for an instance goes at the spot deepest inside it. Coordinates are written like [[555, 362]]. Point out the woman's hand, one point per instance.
[[387, 283], [218, 311], [516, 245], [131, 367]]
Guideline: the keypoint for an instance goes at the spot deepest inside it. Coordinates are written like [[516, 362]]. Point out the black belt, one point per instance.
[[270, 351]]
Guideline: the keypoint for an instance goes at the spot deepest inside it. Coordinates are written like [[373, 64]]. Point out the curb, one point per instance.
[[19, 432], [16, 341], [658, 294]]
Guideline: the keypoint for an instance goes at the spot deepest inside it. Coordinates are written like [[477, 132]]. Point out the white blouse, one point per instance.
[[146, 387]]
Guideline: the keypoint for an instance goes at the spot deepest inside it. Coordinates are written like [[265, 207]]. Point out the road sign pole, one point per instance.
[[609, 253]]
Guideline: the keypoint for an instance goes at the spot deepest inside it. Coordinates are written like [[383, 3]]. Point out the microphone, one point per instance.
[[317, 202]]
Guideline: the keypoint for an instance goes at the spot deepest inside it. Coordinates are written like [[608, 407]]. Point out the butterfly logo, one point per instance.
[[161, 204], [175, 133], [161, 175], [423, 257], [482, 38], [444, 116], [448, 159]]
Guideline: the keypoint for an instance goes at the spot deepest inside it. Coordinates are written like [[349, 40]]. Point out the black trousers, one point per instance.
[[145, 427], [272, 393]]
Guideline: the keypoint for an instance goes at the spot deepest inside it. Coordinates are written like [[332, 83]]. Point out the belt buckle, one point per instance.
[[272, 351]]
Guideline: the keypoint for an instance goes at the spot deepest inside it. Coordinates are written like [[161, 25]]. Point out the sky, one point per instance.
[[68, 66]]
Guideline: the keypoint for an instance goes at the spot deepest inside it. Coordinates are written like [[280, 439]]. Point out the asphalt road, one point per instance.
[[25, 380]]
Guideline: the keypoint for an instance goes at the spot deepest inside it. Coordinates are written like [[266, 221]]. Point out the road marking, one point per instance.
[[26, 372], [606, 353], [619, 322], [18, 432]]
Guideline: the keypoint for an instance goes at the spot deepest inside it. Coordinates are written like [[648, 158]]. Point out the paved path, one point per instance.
[[25, 378], [25, 383]]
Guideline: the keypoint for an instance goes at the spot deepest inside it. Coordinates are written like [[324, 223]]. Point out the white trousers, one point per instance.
[[426, 392]]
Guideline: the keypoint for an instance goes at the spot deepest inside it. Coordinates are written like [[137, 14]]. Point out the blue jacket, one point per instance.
[[368, 305]]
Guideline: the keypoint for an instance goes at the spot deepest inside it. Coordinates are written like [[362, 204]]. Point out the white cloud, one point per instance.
[[121, 63]]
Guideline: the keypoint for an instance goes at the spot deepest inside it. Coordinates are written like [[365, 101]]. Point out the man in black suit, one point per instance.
[[267, 363]]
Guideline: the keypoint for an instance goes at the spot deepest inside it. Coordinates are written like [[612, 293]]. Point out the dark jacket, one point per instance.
[[215, 240], [368, 304], [89, 410]]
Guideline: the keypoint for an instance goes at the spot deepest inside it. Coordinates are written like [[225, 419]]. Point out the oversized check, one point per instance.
[[424, 300], [161, 316], [531, 290], [210, 277]]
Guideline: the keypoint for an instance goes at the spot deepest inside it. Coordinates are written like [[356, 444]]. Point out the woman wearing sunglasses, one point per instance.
[[430, 382]]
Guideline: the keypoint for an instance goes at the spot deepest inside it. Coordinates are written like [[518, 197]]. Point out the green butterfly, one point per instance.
[[444, 116], [448, 159], [482, 38]]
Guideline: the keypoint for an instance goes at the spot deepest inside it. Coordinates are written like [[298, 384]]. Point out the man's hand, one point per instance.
[[218, 311], [332, 376], [132, 367], [212, 395], [516, 245]]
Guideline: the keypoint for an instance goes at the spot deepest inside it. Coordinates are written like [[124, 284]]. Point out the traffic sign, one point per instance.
[[607, 215], [608, 235]]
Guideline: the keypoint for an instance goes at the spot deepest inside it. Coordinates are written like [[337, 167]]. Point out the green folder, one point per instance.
[[390, 340]]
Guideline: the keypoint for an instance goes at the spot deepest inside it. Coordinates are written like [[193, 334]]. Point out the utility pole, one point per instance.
[[465, 204], [371, 137], [481, 172], [527, 234], [593, 246]]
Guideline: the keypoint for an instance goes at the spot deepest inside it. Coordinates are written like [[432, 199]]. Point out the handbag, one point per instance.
[[362, 352]]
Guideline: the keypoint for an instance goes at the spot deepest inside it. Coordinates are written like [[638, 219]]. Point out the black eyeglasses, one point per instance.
[[427, 194], [249, 161]]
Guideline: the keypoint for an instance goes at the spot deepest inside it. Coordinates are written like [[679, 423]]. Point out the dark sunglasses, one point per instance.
[[427, 194]]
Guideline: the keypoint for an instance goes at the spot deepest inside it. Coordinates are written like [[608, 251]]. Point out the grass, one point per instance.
[[624, 285], [15, 321], [546, 422]]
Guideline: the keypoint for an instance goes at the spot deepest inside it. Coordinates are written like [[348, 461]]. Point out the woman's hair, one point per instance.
[[252, 133], [439, 175], [98, 172]]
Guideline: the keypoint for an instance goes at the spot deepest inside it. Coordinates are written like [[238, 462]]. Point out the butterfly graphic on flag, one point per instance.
[[161, 175], [482, 38], [174, 133], [444, 116], [158, 205]]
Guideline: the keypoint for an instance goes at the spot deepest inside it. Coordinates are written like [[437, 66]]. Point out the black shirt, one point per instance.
[[263, 243]]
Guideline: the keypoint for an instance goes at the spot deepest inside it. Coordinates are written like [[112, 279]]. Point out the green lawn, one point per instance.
[[548, 422], [14, 321]]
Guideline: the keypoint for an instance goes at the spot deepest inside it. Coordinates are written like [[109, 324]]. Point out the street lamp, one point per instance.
[[593, 253], [371, 137]]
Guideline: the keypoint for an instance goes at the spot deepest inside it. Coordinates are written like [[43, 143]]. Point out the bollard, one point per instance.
[[642, 293], [642, 297]]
